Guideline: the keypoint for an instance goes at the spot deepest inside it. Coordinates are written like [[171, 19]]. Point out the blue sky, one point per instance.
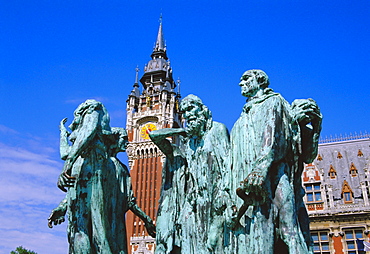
[[56, 54]]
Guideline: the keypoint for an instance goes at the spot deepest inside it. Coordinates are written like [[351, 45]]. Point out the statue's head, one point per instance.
[[252, 81], [196, 114], [87, 108], [120, 138]]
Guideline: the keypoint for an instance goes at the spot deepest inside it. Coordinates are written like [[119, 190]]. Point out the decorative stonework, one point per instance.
[[142, 244], [345, 188]]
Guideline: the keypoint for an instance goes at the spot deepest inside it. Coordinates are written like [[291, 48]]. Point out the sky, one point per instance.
[[56, 54]]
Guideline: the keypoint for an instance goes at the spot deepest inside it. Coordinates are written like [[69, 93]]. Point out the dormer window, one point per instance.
[[347, 193], [319, 157], [359, 153], [347, 197], [332, 172], [339, 156], [353, 170]]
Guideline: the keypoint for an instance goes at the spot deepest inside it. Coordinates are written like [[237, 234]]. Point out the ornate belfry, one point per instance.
[[154, 106]]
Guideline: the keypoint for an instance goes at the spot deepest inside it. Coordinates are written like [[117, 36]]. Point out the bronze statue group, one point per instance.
[[221, 193]]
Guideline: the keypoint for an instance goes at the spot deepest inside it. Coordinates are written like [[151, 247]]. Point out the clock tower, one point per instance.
[[153, 106]]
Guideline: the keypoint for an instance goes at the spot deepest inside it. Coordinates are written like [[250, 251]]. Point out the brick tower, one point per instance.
[[150, 107]]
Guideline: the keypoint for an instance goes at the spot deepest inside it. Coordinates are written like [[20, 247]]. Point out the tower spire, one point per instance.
[[158, 71], [178, 85], [135, 91], [137, 75], [160, 45]]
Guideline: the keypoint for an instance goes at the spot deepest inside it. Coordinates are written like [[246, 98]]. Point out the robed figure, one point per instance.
[[99, 185], [269, 143]]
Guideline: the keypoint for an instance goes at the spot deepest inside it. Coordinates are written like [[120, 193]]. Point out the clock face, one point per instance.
[[148, 127]]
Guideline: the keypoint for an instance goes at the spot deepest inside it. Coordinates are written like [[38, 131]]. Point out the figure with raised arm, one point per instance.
[[99, 185]]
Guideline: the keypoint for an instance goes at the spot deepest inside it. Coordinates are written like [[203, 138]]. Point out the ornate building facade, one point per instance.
[[151, 106], [337, 186]]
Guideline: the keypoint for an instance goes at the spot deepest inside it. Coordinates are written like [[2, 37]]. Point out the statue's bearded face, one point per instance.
[[194, 117], [249, 85]]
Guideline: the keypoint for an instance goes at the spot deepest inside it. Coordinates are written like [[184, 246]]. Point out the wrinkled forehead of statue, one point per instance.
[[247, 74], [254, 72], [190, 100]]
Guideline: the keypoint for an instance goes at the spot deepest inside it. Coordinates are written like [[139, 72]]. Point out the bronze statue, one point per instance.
[[269, 143], [193, 192], [99, 185]]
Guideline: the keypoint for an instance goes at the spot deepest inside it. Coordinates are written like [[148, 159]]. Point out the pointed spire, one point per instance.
[[137, 75], [158, 70], [178, 85], [160, 45], [136, 92]]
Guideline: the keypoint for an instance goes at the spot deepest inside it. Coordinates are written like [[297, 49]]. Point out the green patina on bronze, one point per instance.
[[242, 195], [220, 194], [190, 217], [269, 143], [99, 185]]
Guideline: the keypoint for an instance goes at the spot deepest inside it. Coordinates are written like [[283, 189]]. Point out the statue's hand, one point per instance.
[[254, 183], [64, 120], [65, 180], [56, 217], [61, 125], [306, 111], [150, 227]]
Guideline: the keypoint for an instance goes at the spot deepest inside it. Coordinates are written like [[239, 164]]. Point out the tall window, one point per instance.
[[350, 236], [313, 193], [347, 197], [320, 242]]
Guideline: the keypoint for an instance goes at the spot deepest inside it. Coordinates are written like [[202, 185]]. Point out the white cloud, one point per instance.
[[7, 130], [28, 193]]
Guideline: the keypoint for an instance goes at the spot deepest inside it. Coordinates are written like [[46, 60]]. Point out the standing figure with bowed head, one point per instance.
[[99, 185]]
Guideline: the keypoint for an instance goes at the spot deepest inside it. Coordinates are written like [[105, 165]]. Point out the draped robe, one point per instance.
[[264, 139]]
